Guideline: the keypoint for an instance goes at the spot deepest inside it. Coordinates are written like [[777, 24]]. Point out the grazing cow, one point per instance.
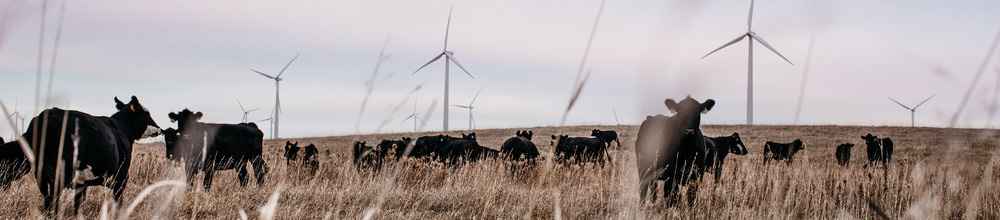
[[427, 146], [101, 157], [719, 148], [844, 154], [520, 147], [13, 164], [781, 151], [387, 146], [207, 147], [310, 160], [579, 149], [606, 136], [364, 156], [672, 148], [291, 152], [463, 150]]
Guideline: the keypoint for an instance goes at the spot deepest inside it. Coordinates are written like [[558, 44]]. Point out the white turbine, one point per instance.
[[14, 117], [449, 57], [753, 36], [277, 99], [913, 110], [472, 121], [271, 119], [245, 112], [414, 116]]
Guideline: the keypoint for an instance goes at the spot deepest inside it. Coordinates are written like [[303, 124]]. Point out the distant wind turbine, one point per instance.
[[753, 36], [913, 110], [245, 112], [270, 119], [472, 121], [14, 117], [449, 57], [414, 116], [277, 99]]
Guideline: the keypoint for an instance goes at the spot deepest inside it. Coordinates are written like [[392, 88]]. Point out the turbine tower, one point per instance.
[[472, 121], [449, 57], [245, 112], [913, 110], [277, 99], [753, 36]]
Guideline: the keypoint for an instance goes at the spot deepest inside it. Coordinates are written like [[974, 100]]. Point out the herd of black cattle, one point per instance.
[[668, 148]]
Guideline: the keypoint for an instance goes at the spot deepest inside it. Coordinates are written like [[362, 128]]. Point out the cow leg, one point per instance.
[[259, 169], [209, 172], [669, 185], [241, 173], [50, 196], [81, 195], [718, 168]]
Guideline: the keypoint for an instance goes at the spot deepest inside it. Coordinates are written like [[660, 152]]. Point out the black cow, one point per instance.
[[291, 152], [467, 149], [719, 148], [365, 156], [520, 147], [579, 149], [672, 148], [102, 156], [781, 151], [879, 149], [607, 137], [207, 147], [310, 160], [844, 154], [427, 146], [1, 141], [387, 146], [13, 164], [170, 138]]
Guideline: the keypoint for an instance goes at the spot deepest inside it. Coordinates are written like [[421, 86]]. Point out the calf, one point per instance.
[[459, 151], [291, 152], [310, 160], [606, 136], [95, 151], [844, 154], [387, 146], [719, 148], [207, 147], [364, 156], [781, 151], [520, 147], [879, 149], [886, 150], [672, 148], [579, 149]]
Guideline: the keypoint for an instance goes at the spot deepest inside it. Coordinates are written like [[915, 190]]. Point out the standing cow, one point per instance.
[[780, 151], [719, 148], [672, 148], [607, 137], [520, 147], [579, 149], [291, 152], [207, 147], [844, 154], [101, 157], [879, 149]]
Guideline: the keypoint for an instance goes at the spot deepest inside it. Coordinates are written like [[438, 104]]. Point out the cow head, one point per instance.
[[471, 136], [136, 118], [558, 139], [13, 164], [870, 140], [595, 132], [797, 145], [688, 113], [170, 138], [291, 151], [184, 118], [737, 148], [848, 146], [525, 134]]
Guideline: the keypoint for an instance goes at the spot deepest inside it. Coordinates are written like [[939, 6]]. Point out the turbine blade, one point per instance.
[[761, 40], [251, 110], [750, 17], [447, 28], [452, 58], [901, 104], [286, 65], [477, 96], [241, 104], [428, 63], [420, 120], [461, 106], [265, 75], [408, 118], [925, 100], [738, 39]]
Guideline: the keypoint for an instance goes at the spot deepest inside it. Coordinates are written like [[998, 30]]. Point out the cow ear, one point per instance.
[[707, 106], [671, 105], [118, 104], [529, 132], [197, 116], [173, 117], [553, 136]]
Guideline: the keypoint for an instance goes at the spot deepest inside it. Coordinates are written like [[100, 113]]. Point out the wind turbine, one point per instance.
[[271, 119], [449, 57], [472, 120], [14, 117], [277, 99], [414, 116], [753, 36], [245, 112], [913, 110]]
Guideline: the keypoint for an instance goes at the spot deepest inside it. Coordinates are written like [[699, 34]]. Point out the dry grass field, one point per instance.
[[936, 173]]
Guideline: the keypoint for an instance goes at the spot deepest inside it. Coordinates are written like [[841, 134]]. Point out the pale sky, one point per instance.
[[524, 54]]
